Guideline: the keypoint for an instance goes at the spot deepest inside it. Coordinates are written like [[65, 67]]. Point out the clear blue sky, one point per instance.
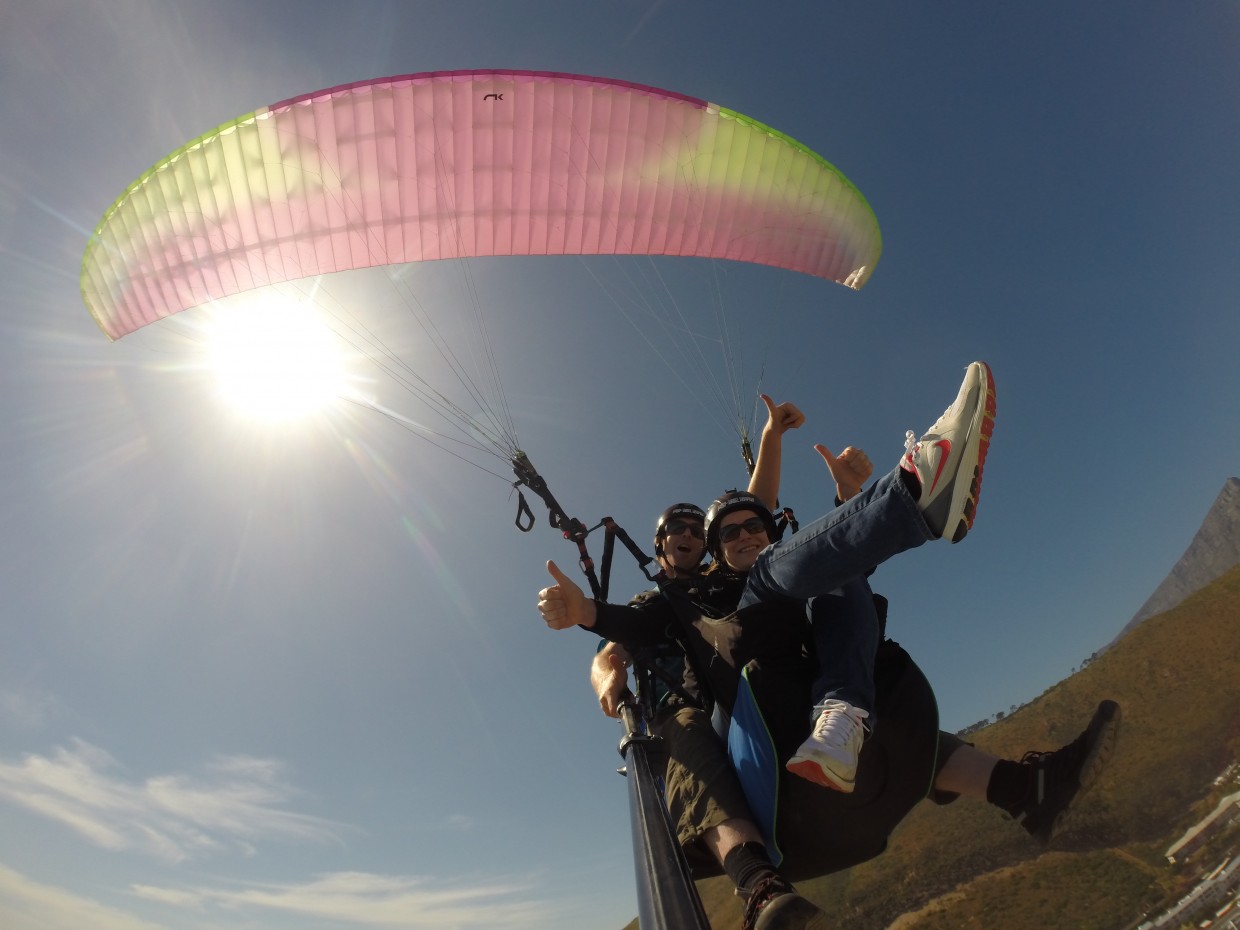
[[293, 677]]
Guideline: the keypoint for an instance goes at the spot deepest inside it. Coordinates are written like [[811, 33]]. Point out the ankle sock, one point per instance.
[[1009, 786], [747, 864]]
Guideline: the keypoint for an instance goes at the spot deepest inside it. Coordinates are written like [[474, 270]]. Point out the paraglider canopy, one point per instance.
[[467, 163]]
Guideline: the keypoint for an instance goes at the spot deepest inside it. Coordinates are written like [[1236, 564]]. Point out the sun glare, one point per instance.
[[275, 359]]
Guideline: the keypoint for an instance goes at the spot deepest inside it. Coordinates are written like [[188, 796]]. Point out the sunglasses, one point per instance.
[[753, 526], [676, 527]]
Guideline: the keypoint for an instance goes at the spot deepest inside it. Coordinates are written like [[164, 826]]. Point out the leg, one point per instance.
[[967, 772], [878, 523], [845, 629], [707, 804], [1040, 788], [727, 836], [931, 494], [702, 792]]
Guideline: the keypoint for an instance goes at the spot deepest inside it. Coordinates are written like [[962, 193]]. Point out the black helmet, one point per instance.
[[692, 511], [730, 502]]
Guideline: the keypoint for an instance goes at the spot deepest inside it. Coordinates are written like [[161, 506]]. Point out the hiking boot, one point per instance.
[[948, 459], [775, 905], [1061, 777], [829, 756]]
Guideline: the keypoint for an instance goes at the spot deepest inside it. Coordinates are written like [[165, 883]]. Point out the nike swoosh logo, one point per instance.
[[944, 446]]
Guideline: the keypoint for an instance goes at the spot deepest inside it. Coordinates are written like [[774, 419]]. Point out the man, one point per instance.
[[679, 547]]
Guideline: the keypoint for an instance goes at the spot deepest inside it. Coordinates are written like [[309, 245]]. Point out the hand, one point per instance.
[[781, 417], [611, 682], [851, 470], [564, 604]]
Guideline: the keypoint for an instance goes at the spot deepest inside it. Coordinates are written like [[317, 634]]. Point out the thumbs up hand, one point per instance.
[[781, 417], [851, 470], [564, 604]]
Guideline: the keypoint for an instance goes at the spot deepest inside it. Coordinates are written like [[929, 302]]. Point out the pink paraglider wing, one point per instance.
[[471, 163]]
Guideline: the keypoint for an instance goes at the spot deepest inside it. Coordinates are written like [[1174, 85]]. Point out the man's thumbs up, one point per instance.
[[564, 604]]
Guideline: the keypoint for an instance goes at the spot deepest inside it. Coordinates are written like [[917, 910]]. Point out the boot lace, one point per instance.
[[910, 442], [763, 894]]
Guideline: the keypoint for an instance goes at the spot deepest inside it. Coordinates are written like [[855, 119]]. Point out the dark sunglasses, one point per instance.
[[676, 527], [753, 526]]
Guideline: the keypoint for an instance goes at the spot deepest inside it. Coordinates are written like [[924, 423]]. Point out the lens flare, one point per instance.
[[275, 359]]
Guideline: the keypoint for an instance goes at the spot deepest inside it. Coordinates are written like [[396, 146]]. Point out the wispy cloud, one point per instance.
[[353, 899], [27, 709], [234, 804], [641, 23], [365, 899], [29, 905]]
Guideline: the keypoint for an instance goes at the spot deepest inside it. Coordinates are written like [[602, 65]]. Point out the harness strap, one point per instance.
[[525, 517], [572, 528], [785, 519], [646, 669], [612, 532], [576, 531], [585, 562]]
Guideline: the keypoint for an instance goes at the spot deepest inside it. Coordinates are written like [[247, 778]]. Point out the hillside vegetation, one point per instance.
[[1177, 677]]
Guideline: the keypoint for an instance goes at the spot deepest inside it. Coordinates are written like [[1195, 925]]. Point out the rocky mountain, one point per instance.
[[1214, 550]]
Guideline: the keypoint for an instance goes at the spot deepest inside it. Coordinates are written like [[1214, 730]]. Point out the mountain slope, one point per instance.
[[1214, 549], [1177, 677]]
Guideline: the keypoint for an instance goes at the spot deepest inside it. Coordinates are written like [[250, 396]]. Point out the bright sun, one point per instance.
[[274, 358]]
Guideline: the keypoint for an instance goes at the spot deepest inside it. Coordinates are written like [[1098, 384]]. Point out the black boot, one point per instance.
[[1060, 777], [775, 905]]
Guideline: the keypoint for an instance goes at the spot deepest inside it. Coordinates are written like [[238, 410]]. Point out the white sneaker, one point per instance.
[[829, 756], [948, 459]]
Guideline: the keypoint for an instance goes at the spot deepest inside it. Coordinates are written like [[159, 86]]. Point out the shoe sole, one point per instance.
[[812, 771], [965, 494], [1104, 728], [791, 912]]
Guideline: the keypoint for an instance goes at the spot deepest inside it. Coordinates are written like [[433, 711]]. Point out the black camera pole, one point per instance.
[[667, 899]]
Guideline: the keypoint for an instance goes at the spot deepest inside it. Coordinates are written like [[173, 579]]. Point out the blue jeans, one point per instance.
[[845, 629], [828, 561]]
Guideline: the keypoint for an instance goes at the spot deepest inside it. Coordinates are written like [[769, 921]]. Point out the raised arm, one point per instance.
[[764, 482]]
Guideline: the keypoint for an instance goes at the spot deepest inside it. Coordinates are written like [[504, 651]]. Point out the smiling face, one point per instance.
[[682, 544], [742, 535]]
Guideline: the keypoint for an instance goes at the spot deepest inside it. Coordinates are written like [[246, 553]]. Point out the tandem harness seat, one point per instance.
[[812, 829]]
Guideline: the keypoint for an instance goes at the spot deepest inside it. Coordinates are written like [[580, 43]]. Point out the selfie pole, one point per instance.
[[666, 896]]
